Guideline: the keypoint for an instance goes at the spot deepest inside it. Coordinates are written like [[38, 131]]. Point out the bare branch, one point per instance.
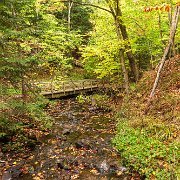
[[92, 5]]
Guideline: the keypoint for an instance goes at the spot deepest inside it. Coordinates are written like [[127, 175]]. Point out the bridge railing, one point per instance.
[[70, 85], [80, 84]]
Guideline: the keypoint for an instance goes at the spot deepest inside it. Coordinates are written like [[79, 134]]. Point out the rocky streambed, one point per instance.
[[78, 147]]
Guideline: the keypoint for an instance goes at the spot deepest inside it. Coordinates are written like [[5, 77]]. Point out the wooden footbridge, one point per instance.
[[67, 88]]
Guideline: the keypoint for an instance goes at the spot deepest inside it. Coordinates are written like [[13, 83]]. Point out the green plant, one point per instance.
[[38, 115], [100, 101], [81, 99], [146, 153], [18, 117]]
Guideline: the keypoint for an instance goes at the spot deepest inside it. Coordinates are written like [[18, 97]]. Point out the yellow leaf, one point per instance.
[[113, 154], [119, 173], [94, 171]]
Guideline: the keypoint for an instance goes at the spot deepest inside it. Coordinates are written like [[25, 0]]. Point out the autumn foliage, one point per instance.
[[163, 7]]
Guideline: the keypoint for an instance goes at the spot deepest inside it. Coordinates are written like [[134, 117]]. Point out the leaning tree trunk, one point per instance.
[[131, 58], [168, 48], [122, 62], [117, 15]]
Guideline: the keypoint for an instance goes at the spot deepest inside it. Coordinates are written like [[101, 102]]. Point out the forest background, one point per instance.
[[112, 40]]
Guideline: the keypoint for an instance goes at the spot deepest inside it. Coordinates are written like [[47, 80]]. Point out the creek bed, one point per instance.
[[78, 146]]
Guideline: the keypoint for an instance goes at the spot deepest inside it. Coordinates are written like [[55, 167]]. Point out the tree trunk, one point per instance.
[[23, 89], [117, 15], [122, 60], [125, 74], [168, 48], [69, 15], [132, 61]]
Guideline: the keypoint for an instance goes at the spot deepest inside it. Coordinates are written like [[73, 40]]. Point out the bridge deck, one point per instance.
[[62, 89]]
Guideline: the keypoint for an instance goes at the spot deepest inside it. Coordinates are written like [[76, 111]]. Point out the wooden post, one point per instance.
[[79, 86], [74, 87], [83, 85], [64, 88], [52, 89]]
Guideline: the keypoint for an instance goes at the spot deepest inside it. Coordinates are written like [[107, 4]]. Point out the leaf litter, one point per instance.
[[79, 144]]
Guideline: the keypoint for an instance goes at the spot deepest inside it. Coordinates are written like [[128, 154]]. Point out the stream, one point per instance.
[[78, 147]]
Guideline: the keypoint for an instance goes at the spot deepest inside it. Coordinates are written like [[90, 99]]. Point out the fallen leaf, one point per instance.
[[75, 176], [94, 171]]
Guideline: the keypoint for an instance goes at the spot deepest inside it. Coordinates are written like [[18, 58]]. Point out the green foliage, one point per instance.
[[100, 101], [9, 127], [18, 117], [148, 31], [144, 150], [80, 17], [32, 40], [101, 53], [148, 35], [81, 99], [39, 36], [36, 112]]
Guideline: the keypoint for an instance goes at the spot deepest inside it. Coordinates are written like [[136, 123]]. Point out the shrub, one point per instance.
[[18, 118]]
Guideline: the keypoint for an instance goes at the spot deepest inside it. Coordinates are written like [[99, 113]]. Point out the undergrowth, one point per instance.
[[21, 122], [96, 100], [149, 143], [150, 150]]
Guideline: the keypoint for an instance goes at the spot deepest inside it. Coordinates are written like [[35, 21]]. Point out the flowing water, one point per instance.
[[78, 147]]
